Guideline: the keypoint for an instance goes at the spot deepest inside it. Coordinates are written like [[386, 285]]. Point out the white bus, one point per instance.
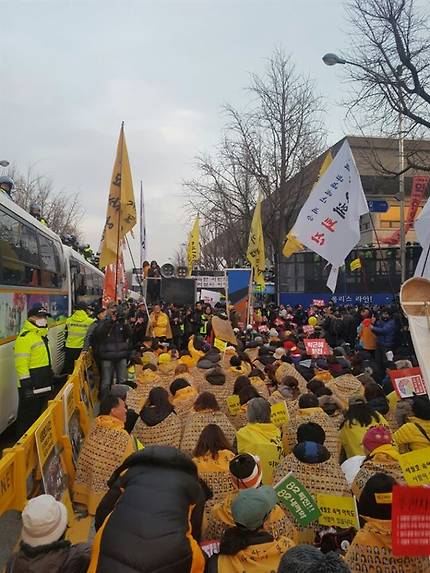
[[35, 267]]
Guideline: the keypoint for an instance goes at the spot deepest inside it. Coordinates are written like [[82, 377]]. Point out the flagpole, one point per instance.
[[141, 225], [119, 216], [250, 295]]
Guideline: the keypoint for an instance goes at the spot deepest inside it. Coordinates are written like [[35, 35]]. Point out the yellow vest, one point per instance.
[[30, 350], [77, 325]]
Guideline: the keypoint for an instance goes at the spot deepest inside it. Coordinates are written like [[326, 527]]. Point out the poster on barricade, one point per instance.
[[410, 521], [316, 346], [72, 423], [407, 382], [51, 465], [293, 495]]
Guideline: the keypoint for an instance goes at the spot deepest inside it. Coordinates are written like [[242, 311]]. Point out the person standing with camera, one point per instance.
[[112, 338]]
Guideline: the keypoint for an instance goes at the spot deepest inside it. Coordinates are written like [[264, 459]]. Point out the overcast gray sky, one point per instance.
[[71, 71]]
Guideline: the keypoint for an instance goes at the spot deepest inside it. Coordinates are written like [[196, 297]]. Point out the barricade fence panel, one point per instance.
[[44, 458]]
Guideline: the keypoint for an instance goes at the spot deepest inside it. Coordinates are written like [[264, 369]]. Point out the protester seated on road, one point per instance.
[[241, 382], [212, 452], [183, 397], [287, 391], [245, 473], [43, 547], [258, 380], [376, 398], [309, 411], [206, 411], [311, 463], [151, 518], [107, 445], [261, 438], [415, 434], [309, 559], [371, 549], [381, 456], [215, 382], [121, 391], [157, 423], [248, 546], [357, 420], [246, 394]]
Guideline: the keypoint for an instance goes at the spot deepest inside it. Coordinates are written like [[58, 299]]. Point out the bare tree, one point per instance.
[[179, 258], [62, 212], [390, 71], [279, 132]]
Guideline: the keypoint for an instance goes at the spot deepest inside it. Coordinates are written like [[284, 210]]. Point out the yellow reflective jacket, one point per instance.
[[77, 325], [31, 351]]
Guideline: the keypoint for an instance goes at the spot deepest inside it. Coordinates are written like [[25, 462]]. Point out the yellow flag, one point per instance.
[[292, 245], [121, 209], [255, 253], [193, 251], [355, 264]]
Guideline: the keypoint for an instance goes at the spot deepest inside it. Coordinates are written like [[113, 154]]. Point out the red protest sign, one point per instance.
[[410, 521], [316, 346], [407, 382]]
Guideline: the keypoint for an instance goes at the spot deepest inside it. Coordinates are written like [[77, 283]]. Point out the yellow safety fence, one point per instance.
[[44, 458]]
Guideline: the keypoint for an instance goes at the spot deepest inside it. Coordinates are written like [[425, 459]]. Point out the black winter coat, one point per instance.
[[149, 528], [112, 339]]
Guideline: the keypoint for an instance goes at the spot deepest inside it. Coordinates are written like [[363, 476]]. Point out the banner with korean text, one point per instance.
[[329, 222]]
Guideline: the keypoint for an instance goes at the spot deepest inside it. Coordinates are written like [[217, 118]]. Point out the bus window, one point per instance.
[[51, 274], [19, 254]]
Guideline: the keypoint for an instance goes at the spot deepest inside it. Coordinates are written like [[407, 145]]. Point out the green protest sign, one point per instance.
[[293, 495]]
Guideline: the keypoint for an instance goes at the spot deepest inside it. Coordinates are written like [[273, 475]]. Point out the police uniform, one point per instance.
[[33, 366], [76, 330]]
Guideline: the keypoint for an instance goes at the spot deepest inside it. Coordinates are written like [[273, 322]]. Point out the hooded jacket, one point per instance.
[[371, 550], [57, 557], [262, 555], [151, 516]]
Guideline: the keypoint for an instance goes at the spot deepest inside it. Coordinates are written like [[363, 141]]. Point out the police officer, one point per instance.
[[76, 330], [33, 366], [6, 185], [36, 212]]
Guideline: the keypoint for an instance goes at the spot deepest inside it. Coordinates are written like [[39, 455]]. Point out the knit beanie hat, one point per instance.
[[245, 470], [375, 437], [309, 559]]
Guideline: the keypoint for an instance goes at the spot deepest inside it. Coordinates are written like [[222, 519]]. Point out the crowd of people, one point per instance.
[[179, 466]]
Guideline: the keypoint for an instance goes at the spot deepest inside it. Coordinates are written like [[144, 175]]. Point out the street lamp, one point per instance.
[[331, 59]]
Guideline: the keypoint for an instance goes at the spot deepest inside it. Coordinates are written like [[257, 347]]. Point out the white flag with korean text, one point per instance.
[[329, 222]]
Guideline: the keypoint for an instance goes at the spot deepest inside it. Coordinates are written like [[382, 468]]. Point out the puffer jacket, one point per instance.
[[155, 522], [57, 557], [112, 339], [385, 332]]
